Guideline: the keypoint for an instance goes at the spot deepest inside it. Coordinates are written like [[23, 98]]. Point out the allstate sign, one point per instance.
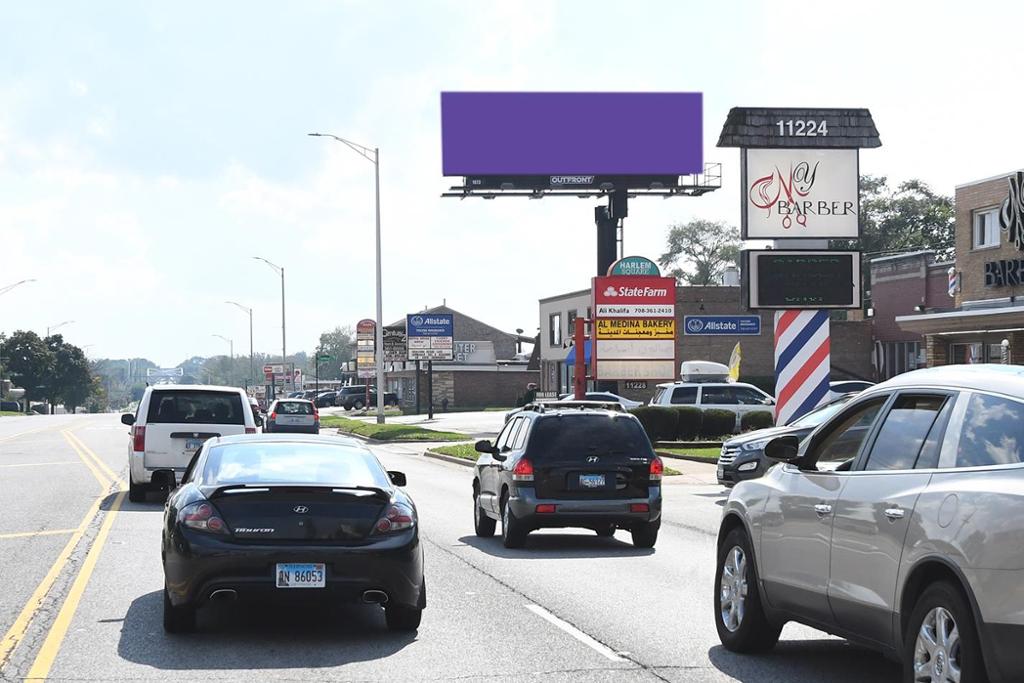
[[724, 325]]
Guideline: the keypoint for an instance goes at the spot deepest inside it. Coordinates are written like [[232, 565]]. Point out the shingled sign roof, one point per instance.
[[758, 127]]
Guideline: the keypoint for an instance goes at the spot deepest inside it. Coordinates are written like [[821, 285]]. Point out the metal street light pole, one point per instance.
[[278, 269], [7, 288], [57, 326], [252, 366], [372, 155], [231, 343]]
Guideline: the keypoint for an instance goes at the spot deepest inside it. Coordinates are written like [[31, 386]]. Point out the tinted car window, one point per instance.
[[748, 397], [843, 442], [295, 408], [993, 432], [816, 417], [564, 435], [507, 432], [684, 396], [289, 463], [718, 396], [195, 407], [904, 432], [520, 437]]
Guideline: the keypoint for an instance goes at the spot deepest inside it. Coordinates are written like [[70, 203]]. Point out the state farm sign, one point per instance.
[[635, 327], [800, 194], [634, 296]]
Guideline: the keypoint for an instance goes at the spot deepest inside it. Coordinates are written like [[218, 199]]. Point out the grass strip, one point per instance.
[[709, 454], [467, 451], [387, 432]]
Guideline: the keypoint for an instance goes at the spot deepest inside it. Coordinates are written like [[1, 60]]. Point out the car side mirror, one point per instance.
[[397, 478], [485, 446], [127, 419], [768, 401], [258, 419], [783, 448]]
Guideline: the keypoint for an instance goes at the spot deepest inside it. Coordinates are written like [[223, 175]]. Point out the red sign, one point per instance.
[[634, 289], [365, 326]]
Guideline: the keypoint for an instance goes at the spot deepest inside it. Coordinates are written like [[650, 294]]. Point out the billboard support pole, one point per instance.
[[580, 366], [430, 390], [417, 387]]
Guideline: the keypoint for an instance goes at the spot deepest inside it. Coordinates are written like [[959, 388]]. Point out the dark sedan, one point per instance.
[[292, 517], [743, 458]]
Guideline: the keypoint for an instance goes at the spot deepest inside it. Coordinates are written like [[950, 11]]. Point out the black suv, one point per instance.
[[355, 398], [570, 465]]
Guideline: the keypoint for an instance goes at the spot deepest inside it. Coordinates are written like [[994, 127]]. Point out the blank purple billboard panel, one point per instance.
[[545, 133]]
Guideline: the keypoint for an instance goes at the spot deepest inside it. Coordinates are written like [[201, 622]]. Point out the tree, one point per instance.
[[30, 362], [71, 380], [911, 216], [340, 344], [700, 251]]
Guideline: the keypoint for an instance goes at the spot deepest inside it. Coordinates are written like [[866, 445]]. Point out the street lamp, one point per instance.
[[280, 271], [252, 367], [54, 328], [373, 156], [4, 290], [231, 343]]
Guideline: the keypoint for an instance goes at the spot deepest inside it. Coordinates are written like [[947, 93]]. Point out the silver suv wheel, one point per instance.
[[733, 588], [937, 650]]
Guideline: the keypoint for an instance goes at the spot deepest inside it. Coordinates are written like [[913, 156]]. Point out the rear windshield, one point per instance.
[[190, 406], [561, 435], [255, 462], [295, 408]]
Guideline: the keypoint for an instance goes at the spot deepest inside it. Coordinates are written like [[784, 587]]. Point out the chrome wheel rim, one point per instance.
[[733, 589], [476, 511], [937, 650], [504, 519]]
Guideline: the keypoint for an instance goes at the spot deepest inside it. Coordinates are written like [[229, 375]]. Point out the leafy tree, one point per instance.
[[71, 380], [699, 251], [340, 344], [30, 362], [911, 216]]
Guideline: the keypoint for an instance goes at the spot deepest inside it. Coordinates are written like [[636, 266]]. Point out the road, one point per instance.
[[568, 607]]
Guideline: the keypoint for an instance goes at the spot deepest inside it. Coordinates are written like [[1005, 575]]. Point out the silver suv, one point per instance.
[[898, 523]]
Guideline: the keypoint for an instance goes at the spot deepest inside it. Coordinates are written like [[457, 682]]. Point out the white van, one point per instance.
[[171, 423]]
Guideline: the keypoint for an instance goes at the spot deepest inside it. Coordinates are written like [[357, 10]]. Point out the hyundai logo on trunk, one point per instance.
[[593, 458], [300, 509]]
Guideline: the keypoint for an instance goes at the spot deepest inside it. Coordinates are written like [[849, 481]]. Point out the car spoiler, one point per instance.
[[230, 489]]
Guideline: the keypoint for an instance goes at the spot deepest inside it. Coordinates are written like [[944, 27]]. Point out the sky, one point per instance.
[[149, 150]]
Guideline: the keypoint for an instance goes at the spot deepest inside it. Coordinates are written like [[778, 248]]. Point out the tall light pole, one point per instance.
[[54, 328], [280, 271], [7, 288], [231, 343], [252, 367], [373, 156]]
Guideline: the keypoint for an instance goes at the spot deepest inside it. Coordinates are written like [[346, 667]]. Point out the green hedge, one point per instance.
[[688, 424], [659, 423], [717, 422], [758, 419]]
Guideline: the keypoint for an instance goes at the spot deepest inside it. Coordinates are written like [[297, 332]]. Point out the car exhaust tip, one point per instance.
[[223, 594], [375, 597]]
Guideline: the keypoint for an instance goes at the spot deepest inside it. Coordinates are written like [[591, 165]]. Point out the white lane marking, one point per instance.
[[579, 635], [39, 464]]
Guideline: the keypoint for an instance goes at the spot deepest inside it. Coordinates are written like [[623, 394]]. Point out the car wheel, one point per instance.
[[513, 533], [739, 617], [482, 524], [941, 640], [136, 492], [358, 405], [606, 531], [645, 534], [180, 619], [402, 617]]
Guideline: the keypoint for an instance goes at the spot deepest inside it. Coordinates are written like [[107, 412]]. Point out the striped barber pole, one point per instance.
[[802, 364]]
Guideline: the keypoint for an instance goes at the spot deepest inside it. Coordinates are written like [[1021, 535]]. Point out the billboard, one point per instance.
[[804, 279], [430, 336], [800, 194], [395, 347], [571, 133]]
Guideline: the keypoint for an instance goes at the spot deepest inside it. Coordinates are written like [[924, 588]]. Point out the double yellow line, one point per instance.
[[106, 478]]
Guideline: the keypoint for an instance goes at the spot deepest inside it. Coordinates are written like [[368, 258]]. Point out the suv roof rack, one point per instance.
[[543, 407]]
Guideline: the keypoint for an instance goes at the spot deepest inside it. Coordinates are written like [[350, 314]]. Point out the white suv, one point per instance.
[[738, 397], [170, 425]]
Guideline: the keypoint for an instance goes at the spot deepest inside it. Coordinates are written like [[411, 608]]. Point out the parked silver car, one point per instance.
[[897, 524]]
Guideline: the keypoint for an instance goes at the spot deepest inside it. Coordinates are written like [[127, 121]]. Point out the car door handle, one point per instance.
[[823, 509], [894, 513]]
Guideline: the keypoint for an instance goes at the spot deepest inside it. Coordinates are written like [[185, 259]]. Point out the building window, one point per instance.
[[570, 329], [986, 229], [555, 329], [966, 354]]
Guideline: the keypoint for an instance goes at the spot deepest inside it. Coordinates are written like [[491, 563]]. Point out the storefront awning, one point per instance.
[[976, 320], [570, 357]]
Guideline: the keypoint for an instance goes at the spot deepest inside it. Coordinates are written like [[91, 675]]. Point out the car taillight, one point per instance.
[[397, 517], [523, 471], [139, 438], [250, 430], [657, 469], [273, 415], [202, 516]]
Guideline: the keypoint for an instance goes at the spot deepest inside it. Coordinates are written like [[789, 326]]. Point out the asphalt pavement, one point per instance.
[[570, 606]]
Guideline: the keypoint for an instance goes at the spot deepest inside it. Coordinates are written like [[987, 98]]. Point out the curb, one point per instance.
[[689, 444], [449, 458], [384, 442], [676, 456]]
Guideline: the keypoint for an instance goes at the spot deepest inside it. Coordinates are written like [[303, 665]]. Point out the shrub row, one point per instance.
[[685, 423]]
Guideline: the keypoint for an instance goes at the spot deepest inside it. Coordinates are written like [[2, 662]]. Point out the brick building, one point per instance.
[[851, 340], [903, 285], [987, 318], [490, 368]]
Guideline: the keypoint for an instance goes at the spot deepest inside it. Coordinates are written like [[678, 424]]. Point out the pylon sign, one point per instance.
[[634, 327], [802, 363]]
